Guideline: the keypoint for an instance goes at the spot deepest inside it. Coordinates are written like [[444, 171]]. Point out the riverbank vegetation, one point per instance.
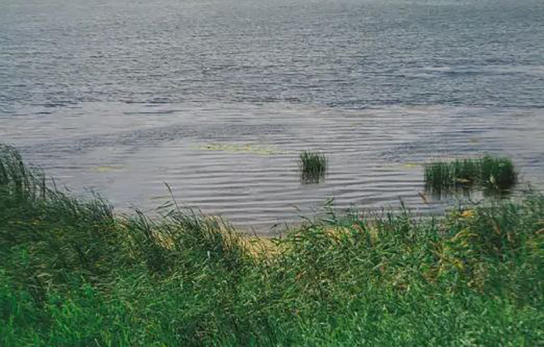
[[74, 274]]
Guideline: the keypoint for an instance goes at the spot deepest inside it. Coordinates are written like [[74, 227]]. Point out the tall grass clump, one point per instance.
[[17, 181], [488, 173], [313, 166], [74, 274], [497, 173]]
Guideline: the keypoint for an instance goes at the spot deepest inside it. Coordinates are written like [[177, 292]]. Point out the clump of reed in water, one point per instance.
[[489, 173], [497, 173], [313, 166]]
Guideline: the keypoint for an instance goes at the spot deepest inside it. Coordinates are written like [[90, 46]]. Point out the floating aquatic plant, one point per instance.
[[242, 148]]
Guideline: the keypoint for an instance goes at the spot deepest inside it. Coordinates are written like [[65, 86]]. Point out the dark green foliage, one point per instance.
[[73, 274], [16, 180], [497, 173], [494, 175], [313, 166]]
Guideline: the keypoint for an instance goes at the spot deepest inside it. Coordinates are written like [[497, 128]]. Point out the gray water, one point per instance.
[[217, 98]]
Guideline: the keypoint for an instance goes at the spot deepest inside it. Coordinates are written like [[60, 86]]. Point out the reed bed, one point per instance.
[[487, 173], [313, 166], [74, 274]]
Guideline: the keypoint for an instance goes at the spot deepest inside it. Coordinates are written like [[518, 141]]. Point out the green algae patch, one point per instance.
[[242, 148]]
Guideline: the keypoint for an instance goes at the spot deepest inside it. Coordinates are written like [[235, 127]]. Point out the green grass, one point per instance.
[[313, 166], [497, 173], [74, 274], [493, 175]]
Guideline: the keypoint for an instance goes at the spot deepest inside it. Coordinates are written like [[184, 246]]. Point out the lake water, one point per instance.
[[217, 98]]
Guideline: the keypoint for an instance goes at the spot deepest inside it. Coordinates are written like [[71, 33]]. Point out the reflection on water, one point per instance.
[[472, 193]]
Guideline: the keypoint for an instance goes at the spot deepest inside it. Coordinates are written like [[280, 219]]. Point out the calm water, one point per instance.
[[217, 98]]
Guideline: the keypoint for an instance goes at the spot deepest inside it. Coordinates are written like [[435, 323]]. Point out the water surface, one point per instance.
[[217, 98]]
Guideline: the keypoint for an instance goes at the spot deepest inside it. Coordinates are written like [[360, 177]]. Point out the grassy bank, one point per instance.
[[73, 274]]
